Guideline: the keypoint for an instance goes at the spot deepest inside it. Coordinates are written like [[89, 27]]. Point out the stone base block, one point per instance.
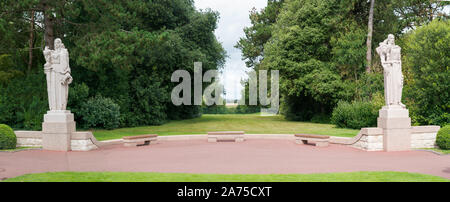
[[58, 116], [56, 141], [68, 127], [57, 129], [397, 139], [391, 123], [396, 125], [393, 112]]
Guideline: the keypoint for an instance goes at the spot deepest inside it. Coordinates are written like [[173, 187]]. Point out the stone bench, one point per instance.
[[319, 140], [140, 140], [236, 136]]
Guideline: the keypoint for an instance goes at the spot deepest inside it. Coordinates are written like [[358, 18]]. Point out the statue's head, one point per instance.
[[391, 39], [58, 43]]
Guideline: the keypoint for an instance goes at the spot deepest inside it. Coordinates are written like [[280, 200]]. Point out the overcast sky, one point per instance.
[[233, 18]]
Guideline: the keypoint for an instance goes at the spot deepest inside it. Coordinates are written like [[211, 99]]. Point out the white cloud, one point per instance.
[[233, 18]]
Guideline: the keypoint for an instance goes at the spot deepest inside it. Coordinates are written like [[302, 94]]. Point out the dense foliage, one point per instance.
[[307, 39], [100, 112], [357, 114], [319, 48], [7, 137], [443, 137], [122, 50], [426, 58]]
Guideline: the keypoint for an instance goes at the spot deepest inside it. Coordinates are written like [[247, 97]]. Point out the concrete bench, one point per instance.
[[236, 136], [319, 140], [140, 140]]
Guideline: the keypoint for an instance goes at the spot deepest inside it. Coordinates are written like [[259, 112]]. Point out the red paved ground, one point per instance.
[[252, 156]]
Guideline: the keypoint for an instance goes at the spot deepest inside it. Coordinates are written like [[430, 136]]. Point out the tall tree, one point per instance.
[[257, 35], [31, 42], [369, 37]]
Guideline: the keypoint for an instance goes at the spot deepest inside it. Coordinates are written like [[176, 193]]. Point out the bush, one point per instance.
[[8, 139], [426, 58], [100, 112], [78, 94], [358, 114], [443, 138]]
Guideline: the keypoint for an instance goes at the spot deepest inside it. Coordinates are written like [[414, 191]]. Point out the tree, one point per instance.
[[125, 51], [257, 35], [369, 37], [426, 57], [300, 49]]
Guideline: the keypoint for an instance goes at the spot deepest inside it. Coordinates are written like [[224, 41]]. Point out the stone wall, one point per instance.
[[424, 136], [29, 138], [80, 141], [371, 139], [368, 139]]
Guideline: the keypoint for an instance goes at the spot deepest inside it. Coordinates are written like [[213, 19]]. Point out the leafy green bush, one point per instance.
[[100, 112], [426, 59], [7, 137], [358, 114], [78, 94], [443, 137]]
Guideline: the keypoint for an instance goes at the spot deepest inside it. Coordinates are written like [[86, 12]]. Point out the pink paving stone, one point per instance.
[[249, 157]]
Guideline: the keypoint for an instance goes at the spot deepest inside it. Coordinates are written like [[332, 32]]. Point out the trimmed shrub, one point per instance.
[[100, 112], [358, 114], [8, 139], [443, 138]]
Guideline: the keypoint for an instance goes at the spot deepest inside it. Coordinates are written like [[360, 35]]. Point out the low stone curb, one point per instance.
[[432, 151], [19, 150]]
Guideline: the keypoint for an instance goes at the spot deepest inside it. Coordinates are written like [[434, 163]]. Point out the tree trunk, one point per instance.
[[369, 38], [48, 23], [31, 44]]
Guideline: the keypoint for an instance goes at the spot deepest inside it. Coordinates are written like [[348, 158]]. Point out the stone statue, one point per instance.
[[57, 70], [392, 65]]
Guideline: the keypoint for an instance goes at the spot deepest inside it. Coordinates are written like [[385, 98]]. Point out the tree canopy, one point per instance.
[[319, 47], [122, 50]]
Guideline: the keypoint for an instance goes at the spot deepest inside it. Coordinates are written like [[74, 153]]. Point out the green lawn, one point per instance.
[[250, 123], [179, 177], [442, 151]]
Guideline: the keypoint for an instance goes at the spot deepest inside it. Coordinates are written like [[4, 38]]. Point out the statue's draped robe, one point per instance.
[[393, 77], [57, 76]]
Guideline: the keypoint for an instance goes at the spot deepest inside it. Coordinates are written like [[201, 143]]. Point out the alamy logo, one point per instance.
[[181, 94]]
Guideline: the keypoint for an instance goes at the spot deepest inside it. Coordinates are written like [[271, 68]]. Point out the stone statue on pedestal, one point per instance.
[[59, 123], [57, 70], [394, 117], [392, 66]]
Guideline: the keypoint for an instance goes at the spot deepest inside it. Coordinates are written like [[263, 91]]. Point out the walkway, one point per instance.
[[196, 156]]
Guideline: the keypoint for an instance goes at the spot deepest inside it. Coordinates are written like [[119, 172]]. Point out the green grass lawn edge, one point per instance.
[[438, 150], [250, 123], [364, 176]]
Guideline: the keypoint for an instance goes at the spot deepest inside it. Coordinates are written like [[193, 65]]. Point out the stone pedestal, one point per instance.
[[396, 125], [57, 129]]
